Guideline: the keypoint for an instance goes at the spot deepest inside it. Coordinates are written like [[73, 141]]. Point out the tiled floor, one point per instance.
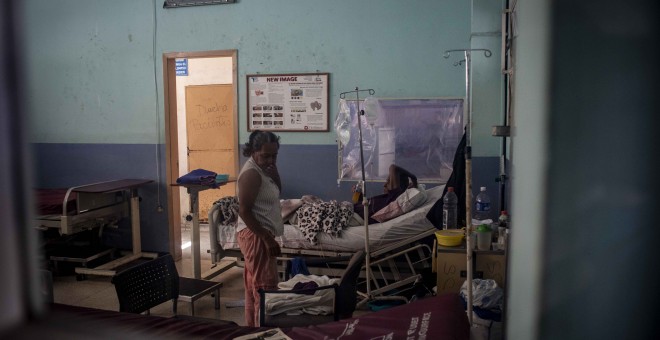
[[98, 291]]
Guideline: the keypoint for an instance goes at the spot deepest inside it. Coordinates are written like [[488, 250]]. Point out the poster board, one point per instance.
[[296, 102]]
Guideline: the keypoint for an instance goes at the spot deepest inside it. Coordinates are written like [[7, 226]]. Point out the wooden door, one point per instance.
[[212, 139]]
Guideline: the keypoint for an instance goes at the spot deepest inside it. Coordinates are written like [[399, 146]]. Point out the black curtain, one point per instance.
[[456, 180]]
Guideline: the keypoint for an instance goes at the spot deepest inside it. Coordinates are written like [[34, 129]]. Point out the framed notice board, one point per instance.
[[295, 102]]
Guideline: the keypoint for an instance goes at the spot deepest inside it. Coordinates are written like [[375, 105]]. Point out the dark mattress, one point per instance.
[[49, 201], [440, 317]]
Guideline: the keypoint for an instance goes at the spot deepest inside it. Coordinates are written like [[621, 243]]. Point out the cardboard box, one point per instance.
[[491, 266], [451, 268]]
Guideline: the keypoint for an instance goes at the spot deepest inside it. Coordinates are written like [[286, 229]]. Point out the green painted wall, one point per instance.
[[93, 76], [487, 78], [90, 71]]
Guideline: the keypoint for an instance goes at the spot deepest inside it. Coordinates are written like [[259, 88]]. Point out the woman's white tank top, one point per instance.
[[266, 209]]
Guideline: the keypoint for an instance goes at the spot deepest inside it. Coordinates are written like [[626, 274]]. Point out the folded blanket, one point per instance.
[[294, 304], [199, 177]]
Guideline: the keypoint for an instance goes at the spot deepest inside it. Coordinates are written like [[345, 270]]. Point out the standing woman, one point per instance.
[[260, 218]]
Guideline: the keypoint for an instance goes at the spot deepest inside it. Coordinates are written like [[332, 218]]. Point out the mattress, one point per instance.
[[439, 317], [351, 239], [87, 206], [50, 201]]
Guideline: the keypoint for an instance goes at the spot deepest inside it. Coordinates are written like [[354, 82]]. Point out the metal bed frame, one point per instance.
[[393, 266], [99, 205]]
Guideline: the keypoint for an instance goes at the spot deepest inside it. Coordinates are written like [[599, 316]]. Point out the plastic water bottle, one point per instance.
[[482, 205], [450, 210]]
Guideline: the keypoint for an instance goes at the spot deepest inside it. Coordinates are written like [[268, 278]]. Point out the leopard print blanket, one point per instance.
[[312, 216], [327, 217]]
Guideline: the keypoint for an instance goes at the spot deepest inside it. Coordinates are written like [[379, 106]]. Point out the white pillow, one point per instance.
[[388, 212], [411, 199]]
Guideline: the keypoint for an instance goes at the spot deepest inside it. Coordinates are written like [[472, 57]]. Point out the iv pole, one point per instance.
[[365, 202], [369, 295], [468, 166]]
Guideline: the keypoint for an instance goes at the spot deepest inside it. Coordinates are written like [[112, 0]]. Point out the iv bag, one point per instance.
[[372, 109]]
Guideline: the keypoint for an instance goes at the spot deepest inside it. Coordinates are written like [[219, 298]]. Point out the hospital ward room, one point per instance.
[[230, 169]]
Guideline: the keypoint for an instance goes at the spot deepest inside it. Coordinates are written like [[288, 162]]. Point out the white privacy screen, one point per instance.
[[420, 135]]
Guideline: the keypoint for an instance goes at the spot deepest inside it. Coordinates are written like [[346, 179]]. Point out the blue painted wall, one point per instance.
[[94, 87], [61, 165]]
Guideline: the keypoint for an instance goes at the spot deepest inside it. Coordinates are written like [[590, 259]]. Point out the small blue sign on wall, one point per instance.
[[181, 66]]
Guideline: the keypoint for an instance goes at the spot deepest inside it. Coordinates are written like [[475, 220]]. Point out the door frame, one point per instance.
[[171, 136]]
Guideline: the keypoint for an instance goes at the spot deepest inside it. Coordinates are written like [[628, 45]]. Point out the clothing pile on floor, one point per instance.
[[320, 303]]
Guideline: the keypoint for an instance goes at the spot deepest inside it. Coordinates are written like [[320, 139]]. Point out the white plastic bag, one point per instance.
[[343, 122], [486, 294]]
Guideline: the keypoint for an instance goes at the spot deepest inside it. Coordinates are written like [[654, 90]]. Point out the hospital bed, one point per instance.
[[72, 210], [90, 206], [397, 253]]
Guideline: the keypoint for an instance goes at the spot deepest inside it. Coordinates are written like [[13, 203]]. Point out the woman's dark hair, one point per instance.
[[257, 139]]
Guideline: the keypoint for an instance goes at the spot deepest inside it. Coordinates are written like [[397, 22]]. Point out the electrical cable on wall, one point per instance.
[[159, 207]]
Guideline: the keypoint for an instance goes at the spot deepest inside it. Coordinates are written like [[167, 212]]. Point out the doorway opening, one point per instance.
[[201, 129]]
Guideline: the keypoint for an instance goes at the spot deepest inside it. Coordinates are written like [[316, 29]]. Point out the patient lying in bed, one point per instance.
[[407, 213], [312, 216], [398, 181]]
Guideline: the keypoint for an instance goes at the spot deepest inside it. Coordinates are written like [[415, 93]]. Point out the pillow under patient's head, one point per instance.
[[411, 198], [389, 212]]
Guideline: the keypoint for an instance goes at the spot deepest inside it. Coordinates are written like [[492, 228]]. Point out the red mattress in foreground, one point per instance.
[[432, 318], [441, 317]]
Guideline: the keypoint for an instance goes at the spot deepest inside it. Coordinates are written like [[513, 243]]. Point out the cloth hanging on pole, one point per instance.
[[456, 180]]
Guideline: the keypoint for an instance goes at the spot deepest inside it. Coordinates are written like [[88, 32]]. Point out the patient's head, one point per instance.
[[399, 179]]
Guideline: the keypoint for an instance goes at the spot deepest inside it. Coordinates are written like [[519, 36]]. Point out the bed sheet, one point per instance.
[[352, 238]]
